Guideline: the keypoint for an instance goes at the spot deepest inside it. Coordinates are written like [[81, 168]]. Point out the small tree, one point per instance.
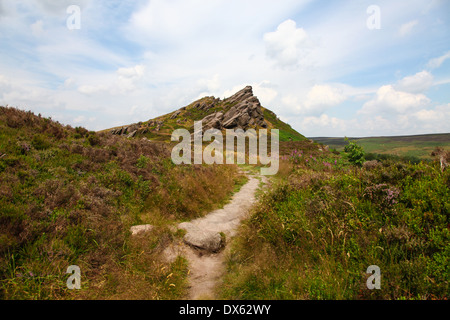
[[355, 152]]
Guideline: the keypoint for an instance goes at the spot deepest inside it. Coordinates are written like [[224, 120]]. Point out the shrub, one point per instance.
[[82, 132], [355, 153], [142, 162], [383, 195], [93, 139], [40, 142]]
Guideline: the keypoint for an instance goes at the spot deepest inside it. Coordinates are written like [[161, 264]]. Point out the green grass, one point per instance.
[[287, 133], [415, 146]]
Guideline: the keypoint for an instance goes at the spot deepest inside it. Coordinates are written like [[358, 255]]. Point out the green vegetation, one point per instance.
[[315, 232], [186, 116], [355, 153], [69, 197], [286, 131], [415, 148]]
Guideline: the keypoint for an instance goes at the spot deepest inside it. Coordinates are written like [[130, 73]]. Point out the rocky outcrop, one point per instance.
[[241, 95], [205, 104], [175, 114], [242, 110], [245, 112], [128, 131]]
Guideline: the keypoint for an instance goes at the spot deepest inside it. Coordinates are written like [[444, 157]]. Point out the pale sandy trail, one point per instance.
[[206, 269]]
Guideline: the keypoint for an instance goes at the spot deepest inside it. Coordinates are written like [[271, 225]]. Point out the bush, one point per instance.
[[82, 132], [355, 153], [142, 162], [93, 139], [40, 142]]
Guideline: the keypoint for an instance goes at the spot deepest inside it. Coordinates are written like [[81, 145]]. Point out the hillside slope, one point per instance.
[[69, 197], [241, 110]]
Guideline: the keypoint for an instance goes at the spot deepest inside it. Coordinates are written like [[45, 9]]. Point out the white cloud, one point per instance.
[[69, 83], [79, 119], [407, 28], [89, 90], [265, 92], [436, 120], [194, 23], [83, 119], [390, 101], [59, 7], [324, 125], [135, 72], [324, 121], [437, 62], [128, 79], [210, 86], [324, 96], [37, 28], [417, 83], [289, 46], [432, 120], [425, 115], [125, 81], [4, 84], [317, 100]]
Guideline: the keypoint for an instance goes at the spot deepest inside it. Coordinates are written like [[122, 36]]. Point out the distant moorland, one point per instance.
[[418, 146]]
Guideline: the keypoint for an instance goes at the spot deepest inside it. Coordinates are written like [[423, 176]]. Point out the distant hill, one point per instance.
[[419, 146], [241, 110]]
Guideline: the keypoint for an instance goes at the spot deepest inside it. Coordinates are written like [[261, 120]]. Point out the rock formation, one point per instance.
[[246, 112], [241, 110]]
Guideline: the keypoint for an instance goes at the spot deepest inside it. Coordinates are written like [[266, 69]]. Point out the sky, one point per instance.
[[328, 68]]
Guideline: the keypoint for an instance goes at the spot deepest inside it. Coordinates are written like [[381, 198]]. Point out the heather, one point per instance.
[[327, 219], [68, 196]]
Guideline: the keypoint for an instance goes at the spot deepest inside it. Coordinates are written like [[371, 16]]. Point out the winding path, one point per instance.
[[207, 268]]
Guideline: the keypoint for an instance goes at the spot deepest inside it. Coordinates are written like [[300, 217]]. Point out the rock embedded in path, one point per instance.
[[207, 240]]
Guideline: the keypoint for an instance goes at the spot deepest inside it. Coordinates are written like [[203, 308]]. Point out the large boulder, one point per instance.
[[207, 240], [175, 114], [213, 120], [204, 239]]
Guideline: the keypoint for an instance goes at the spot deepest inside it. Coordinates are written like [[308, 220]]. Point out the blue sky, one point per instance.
[[320, 65]]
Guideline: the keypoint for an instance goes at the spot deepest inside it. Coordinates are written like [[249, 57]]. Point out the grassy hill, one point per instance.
[[419, 146], [161, 128]]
